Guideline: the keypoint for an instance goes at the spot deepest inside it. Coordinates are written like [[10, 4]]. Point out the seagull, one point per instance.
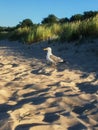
[[52, 58]]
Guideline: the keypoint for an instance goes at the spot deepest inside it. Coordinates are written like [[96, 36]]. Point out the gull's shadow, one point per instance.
[[44, 70]]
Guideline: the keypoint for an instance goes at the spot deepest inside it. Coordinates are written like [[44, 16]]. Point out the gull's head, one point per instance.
[[48, 49]]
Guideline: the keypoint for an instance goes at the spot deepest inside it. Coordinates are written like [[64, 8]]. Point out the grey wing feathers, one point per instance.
[[56, 59]]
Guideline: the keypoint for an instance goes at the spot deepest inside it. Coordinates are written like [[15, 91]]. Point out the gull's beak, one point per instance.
[[45, 49]]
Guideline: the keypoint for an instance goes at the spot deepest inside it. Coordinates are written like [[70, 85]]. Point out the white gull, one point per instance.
[[52, 58]]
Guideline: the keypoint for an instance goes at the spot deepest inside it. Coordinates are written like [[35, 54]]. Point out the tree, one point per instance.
[[64, 20], [89, 14], [76, 17], [26, 22], [50, 19]]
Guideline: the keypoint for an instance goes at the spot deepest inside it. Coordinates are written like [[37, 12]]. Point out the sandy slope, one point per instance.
[[34, 96]]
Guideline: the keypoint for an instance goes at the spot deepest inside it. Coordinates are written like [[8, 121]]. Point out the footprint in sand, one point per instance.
[[15, 65], [1, 65], [51, 117]]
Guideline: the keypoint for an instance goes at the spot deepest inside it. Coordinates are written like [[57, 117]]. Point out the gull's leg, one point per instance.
[[53, 65]]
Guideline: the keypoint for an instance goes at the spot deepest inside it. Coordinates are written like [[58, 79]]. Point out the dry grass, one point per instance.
[[65, 32]]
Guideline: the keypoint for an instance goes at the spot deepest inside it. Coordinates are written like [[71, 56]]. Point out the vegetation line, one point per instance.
[[51, 28]]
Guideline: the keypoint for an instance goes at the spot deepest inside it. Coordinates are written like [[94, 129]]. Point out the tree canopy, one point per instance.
[[76, 17], [64, 20], [50, 19], [26, 22]]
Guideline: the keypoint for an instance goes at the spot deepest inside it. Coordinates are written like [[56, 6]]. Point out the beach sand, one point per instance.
[[36, 96]]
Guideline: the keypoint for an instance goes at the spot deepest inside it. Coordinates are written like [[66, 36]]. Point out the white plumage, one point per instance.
[[52, 58]]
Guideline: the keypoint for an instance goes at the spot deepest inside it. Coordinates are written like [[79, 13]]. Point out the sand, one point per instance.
[[36, 96]]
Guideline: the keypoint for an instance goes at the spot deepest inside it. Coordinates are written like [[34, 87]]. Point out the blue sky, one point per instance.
[[14, 11]]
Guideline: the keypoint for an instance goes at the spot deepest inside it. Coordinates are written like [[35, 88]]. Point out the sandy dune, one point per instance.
[[35, 96]]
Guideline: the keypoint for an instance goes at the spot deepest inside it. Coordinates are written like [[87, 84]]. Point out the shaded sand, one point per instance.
[[35, 96]]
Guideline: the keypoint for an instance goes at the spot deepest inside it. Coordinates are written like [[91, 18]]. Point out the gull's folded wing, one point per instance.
[[56, 59]]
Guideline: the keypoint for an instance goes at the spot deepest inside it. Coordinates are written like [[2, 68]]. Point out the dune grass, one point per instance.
[[89, 27], [73, 31], [68, 31]]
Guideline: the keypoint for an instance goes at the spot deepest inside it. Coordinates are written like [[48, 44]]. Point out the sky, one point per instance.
[[14, 11]]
